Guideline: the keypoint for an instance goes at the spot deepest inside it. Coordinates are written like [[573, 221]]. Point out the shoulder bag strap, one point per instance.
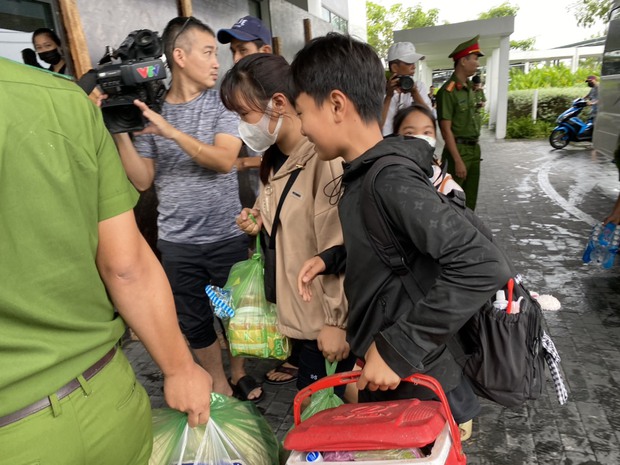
[[276, 218]]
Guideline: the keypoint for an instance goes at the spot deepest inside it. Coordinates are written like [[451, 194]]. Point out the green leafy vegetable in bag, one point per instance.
[[325, 398], [236, 434]]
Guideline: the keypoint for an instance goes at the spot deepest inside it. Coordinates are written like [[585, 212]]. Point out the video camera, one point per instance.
[[405, 83], [136, 73]]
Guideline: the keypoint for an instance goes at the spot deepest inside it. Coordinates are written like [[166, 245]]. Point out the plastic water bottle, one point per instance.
[[500, 302], [314, 457], [592, 248], [613, 235], [602, 246]]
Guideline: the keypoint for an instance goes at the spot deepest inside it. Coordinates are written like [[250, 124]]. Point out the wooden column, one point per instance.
[[307, 30], [276, 45], [76, 39], [185, 7]]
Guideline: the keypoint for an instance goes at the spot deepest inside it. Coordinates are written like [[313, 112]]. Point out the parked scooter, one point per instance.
[[570, 128]]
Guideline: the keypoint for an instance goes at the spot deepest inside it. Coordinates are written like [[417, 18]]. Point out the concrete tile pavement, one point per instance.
[[540, 204]]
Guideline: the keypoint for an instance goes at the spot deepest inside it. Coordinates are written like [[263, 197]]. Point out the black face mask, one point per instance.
[[590, 84], [51, 57]]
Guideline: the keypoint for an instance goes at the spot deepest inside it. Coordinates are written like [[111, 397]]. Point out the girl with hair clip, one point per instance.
[[260, 90]]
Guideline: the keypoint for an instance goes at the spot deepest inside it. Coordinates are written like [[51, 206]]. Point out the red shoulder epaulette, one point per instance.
[[450, 87]]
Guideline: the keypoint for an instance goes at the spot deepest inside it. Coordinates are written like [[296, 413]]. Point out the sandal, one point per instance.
[[466, 429], [290, 371], [244, 388]]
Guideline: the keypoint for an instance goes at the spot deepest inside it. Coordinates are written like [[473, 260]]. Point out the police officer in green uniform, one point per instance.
[[458, 121]]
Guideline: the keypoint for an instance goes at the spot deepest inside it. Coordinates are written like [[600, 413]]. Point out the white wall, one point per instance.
[[13, 42]]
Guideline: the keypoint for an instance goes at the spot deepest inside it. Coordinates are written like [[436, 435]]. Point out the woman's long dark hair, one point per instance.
[[400, 116], [48, 32], [251, 83]]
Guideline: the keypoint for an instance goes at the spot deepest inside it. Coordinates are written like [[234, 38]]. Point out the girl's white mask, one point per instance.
[[257, 136], [431, 140]]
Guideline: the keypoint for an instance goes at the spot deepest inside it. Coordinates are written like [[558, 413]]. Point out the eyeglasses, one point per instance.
[[181, 31]]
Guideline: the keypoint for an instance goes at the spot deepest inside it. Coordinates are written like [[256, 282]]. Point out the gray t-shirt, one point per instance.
[[196, 205], [593, 95]]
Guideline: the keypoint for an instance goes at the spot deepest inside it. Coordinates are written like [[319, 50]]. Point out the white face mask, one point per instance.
[[431, 140], [257, 136]]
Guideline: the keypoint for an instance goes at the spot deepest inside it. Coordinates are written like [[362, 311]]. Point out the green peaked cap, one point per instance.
[[466, 48]]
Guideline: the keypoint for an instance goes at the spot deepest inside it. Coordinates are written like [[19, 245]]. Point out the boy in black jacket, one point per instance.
[[340, 82]]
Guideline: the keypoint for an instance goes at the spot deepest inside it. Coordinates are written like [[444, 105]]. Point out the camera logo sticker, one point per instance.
[[148, 71]]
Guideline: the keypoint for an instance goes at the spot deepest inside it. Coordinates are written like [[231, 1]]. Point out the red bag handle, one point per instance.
[[340, 379]]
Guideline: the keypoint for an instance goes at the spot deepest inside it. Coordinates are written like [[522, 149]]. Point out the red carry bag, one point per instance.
[[373, 426]]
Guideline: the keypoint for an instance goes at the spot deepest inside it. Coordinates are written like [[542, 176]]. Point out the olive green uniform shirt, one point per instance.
[[456, 102], [60, 175]]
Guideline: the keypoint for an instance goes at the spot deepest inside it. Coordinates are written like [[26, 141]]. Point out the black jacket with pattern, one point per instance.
[[457, 267]]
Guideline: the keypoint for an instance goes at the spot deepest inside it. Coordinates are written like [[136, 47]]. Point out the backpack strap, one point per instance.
[[381, 237]]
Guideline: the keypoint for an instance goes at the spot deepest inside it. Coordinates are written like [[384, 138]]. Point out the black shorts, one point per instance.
[[190, 267], [312, 366]]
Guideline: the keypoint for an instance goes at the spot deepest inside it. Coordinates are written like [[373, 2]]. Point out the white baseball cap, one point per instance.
[[405, 52]]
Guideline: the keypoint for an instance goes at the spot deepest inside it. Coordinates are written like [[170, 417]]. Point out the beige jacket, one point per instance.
[[308, 225]]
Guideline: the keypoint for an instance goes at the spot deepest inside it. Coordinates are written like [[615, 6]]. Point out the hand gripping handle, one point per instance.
[[340, 379]]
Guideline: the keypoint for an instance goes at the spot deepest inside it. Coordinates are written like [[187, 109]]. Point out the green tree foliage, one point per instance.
[[551, 76], [589, 12], [379, 28], [551, 102], [500, 11], [525, 44], [525, 128], [415, 17], [382, 22]]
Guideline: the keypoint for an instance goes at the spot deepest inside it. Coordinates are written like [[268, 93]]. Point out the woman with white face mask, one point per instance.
[[47, 45], [260, 90]]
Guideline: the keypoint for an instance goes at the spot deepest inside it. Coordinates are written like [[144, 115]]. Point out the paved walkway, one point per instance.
[[540, 204]]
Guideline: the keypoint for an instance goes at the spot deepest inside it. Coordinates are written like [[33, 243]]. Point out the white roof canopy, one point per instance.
[[437, 42]]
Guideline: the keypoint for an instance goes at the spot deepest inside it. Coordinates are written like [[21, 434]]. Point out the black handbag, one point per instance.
[[268, 243]]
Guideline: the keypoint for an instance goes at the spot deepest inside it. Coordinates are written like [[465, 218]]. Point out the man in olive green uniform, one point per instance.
[[458, 120], [72, 254]]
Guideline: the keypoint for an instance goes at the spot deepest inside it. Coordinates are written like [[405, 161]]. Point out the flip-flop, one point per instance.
[[291, 371], [244, 387]]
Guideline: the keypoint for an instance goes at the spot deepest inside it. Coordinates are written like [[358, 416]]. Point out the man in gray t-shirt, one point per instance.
[[592, 96], [189, 152]]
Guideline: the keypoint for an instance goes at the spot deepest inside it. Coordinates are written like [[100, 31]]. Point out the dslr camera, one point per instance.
[[405, 83], [133, 71]]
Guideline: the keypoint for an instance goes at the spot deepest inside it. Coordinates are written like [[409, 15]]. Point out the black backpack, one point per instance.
[[500, 353]]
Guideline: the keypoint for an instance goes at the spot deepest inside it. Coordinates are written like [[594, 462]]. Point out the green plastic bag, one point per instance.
[[253, 330], [236, 434], [325, 398]]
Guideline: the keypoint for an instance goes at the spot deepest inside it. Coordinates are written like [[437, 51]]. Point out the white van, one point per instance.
[[607, 124]]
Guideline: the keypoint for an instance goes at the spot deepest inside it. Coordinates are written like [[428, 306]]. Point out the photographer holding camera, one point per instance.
[[189, 151], [401, 89]]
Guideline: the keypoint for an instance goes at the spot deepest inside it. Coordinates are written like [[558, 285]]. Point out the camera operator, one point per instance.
[[401, 89], [189, 151]]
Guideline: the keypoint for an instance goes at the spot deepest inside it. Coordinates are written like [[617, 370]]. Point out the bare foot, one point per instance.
[[282, 374]]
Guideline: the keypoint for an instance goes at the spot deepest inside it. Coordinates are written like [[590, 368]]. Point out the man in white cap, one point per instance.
[[401, 89]]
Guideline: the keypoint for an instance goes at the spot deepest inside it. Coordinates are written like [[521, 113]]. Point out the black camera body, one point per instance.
[[133, 71], [405, 83]]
